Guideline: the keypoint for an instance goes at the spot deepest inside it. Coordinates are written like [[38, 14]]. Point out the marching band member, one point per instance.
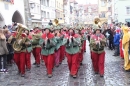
[[58, 44], [83, 44], [28, 52], [97, 43], [72, 44], [19, 55], [83, 31], [36, 34], [62, 49], [48, 44]]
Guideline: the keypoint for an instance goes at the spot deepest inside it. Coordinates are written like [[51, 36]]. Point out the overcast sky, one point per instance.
[[85, 1]]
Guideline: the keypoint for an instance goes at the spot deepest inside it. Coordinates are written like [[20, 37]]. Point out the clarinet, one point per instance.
[[71, 39], [99, 45], [46, 42]]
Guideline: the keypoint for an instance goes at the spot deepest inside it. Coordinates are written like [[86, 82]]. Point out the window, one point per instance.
[[44, 14], [102, 15], [38, 9], [43, 2], [48, 3], [6, 6], [48, 15], [103, 3], [109, 8], [57, 4], [127, 10]]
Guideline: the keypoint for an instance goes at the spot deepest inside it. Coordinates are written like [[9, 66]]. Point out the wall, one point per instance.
[[7, 10], [59, 10], [121, 10], [48, 9], [103, 9]]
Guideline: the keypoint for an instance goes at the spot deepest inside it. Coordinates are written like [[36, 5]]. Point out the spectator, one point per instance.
[[3, 51], [117, 42], [7, 34]]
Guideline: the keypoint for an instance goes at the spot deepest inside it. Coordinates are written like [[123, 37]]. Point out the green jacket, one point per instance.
[[58, 42], [36, 39], [73, 47], [97, 48], [49, 48]]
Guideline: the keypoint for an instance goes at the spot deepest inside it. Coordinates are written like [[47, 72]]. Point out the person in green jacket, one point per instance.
[[58, 45], [48, 43], [97, 44], [36, 35], [72, 44]]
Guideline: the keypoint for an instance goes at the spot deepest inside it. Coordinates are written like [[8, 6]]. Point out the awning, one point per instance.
[[127, 20]]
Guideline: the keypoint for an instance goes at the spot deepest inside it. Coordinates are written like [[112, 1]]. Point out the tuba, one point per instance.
[[17, 44], [97, 22], [56, 22]]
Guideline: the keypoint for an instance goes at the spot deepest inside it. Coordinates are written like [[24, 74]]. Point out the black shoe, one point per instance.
[[127, 70], [22, 75], [115, 55], [96, 72], [74, 76], [28, 69], [38, 65], [6, 71], [101, 76], [81, 63], [57, 66], [34, 63], [50, 75]]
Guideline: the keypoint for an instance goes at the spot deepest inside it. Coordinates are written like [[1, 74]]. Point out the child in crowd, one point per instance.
[[117, 42]]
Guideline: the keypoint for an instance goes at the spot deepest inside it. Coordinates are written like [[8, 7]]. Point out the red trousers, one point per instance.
[[84, 46], [19, 59], [98, 62], [28, 60], [121, 51], [49, 62], [37, 54], [81, 56], [62, 53], [57, 57], [72, 60]]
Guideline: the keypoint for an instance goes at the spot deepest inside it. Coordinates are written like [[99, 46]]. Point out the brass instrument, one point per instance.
[[97, 22], [17, 44], [56, 22]]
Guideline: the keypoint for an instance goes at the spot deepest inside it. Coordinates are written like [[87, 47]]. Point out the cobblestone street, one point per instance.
[[114, 75]]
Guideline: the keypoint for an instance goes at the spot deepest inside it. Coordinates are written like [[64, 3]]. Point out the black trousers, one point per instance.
[[9, 57], [111, 44], [3, 64]]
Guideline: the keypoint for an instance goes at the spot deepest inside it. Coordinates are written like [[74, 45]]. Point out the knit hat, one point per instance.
[[117, 31], [48, 27]]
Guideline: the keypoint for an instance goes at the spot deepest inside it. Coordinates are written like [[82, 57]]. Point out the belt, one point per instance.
[[98, 49]]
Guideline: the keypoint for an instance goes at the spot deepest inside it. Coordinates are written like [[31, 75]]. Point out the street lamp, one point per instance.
[[32, 5]]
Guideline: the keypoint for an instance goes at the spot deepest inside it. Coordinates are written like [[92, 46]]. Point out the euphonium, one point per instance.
[[17, 44], [56, 22], [97, 21]]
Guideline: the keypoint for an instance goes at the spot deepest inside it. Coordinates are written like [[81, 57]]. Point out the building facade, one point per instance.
[[59, 11], [103, 10], [121, 11], [35, 9], [48, 11], [11, 11], [67, 11], [90, 13]]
